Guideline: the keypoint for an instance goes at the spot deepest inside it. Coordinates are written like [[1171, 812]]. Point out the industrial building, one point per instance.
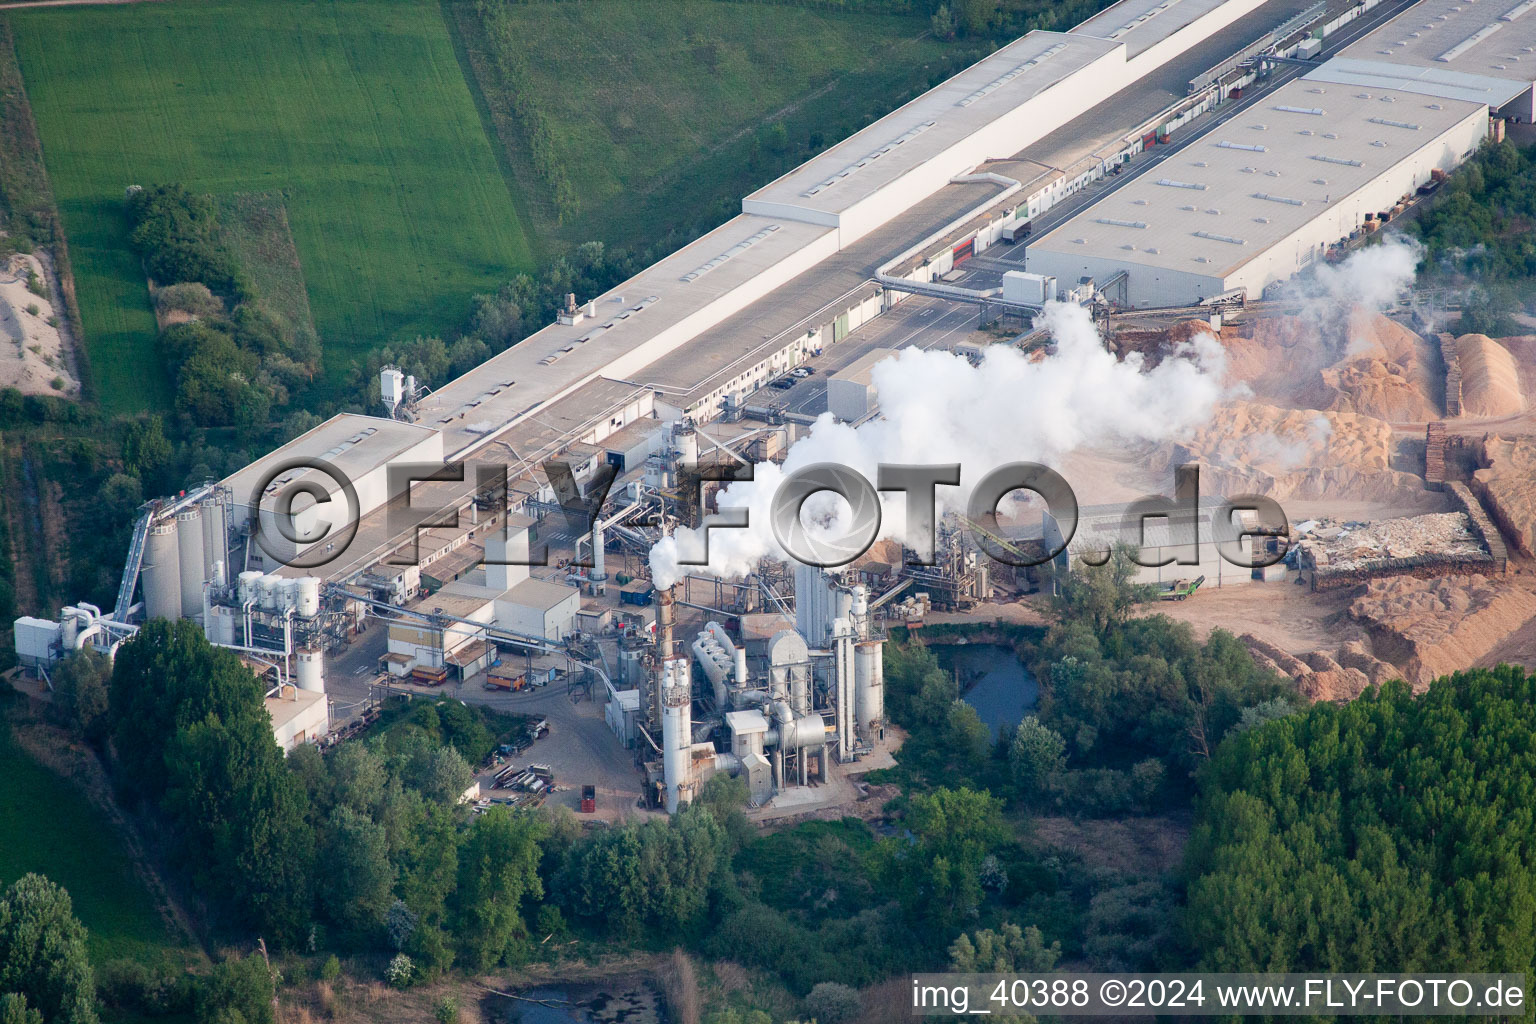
[[1268, 193], [668, 370]]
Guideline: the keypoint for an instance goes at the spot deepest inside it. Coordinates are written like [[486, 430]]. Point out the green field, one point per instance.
[[357, 110], [52, 829], [662, 115]]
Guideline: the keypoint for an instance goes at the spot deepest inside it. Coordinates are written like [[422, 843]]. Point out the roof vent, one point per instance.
[[1221, 238], [1313, 111], [1224, 144], [1115, 222], [1171, 183]]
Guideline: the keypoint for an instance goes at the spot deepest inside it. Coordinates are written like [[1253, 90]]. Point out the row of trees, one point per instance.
[[234, 368]]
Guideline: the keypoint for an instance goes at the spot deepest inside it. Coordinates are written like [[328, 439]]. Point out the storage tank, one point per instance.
[[309, 670], [219, 627], [869, 688], [287, 593], [215, 535], [248, 587], [162, 573], [71, 625], [268, 592], [687, 441], [309, 596], [189, 553]]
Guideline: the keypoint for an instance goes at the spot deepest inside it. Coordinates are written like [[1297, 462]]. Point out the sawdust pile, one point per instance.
[[1249, 447], [1387, 372], [1321, 676], [1432, 627], [1508, 485], [1490, 378], [32, 358]]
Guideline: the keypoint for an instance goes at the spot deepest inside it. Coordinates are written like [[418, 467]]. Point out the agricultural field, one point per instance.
[[68, 839], [356, 110], [636, 122]]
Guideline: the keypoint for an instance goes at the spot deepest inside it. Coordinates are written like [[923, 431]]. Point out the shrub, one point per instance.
[[832, 1002], [401, 971], [331, 969], [446, 1010]]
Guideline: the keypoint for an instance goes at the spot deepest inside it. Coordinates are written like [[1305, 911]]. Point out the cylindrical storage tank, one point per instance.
[[162, 573], [309, 596], [309, 671], [268, 592], [70, 626], [842, 605], [860, 600], [687, 444], [219, 627], [248, 587], [869, 687], [215, 535], [189, 552], [741, 666], [216, 574], [288, 594]]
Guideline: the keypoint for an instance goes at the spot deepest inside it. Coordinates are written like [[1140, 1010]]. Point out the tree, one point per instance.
[[42, 953], [498, 868], [954, 830], [1036, 757], [80, 691], [14, 1010], [442, 775], [1101, 595], [355, 890], [146, 450], [942, 24], [239, 991], [1391, 833], [832, 1002], [1008, 950]]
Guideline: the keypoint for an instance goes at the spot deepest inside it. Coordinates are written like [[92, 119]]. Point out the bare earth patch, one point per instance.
[[32, 356]]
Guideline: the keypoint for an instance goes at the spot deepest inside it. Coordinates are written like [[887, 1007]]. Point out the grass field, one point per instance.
[[52, 829], [357, 109], [662, 115]]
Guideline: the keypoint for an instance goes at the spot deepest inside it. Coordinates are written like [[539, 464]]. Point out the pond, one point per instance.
[[993, 681], [616, 1002]]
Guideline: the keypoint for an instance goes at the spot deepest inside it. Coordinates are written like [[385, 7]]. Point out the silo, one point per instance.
[[189, 548], [248, 587], [162, 573], [869, 688], [309, 597], [287, 594], [215, 534], [310, 670], [268, 597]]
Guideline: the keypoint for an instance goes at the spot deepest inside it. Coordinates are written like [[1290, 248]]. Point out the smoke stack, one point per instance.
[[664, 624]]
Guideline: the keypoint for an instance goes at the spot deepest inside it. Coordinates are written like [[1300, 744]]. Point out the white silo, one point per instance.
[[686, 438], [248, 587], [268, 588], [310, 670], [215, 535], [189, 554], [216, 575], [162, 573], [288, 594], [869, 688], [309, 597]]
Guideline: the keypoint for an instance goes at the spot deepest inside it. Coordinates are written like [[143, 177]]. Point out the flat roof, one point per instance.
[[1487, 38], [858, 371], [1141, 23], [283, 710], [554, 361], [356, 445], [461, 597], [926, 127], [540, 594], [1226, 198]]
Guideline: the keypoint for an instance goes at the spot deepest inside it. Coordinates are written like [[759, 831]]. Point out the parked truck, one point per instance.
[[1178, 590]]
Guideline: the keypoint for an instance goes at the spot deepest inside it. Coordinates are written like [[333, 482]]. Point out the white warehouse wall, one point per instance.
[[1148, 286]]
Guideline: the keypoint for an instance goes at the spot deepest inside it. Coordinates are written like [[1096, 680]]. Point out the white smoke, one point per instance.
[[1372, 278], [936, 408]]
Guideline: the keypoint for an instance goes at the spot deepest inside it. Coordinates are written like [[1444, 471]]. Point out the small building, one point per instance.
[[850, 391], [623, 715], [539, 608], [466, 608], [298, 716]]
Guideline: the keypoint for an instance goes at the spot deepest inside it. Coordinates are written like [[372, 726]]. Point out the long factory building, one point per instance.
[[1269, 192], [815, 254]]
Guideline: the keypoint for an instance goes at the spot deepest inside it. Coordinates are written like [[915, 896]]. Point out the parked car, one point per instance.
[[783, 384]]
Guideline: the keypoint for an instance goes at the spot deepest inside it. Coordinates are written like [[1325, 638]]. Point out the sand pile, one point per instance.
[[1490, 378], [1431, 627], [31, 349], [1321, 676], [1508, 486], [1249, 447]]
